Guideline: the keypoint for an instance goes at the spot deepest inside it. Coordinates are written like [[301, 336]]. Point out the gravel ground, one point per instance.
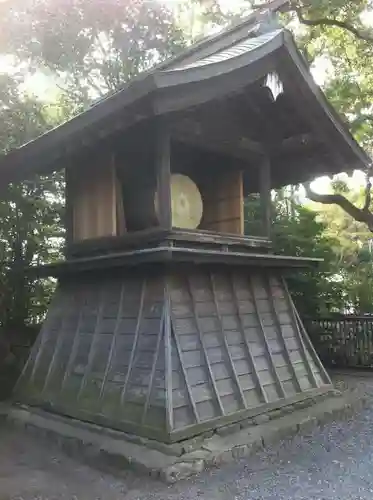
[[333, 463]]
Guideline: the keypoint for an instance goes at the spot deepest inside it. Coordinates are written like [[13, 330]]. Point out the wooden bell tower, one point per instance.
[[173, 188], [171, 314], [175, 336]]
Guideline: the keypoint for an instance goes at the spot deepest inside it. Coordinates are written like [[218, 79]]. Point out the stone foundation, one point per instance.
[[114, 451]]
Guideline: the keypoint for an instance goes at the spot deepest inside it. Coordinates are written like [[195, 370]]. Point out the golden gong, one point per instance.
[[186, 202]]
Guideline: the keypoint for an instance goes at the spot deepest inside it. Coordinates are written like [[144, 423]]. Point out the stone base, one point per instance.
[[113, 450]]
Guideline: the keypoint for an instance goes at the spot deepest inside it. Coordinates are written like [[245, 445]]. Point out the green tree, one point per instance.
[[296, 230], [30, 213], [339, 32], [87, 49], [90, 47], [315, 290], [353, 250]]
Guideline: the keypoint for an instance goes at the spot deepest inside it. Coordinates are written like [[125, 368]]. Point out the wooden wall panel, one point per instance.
[[223, 203], [104, 351], [94, 201]]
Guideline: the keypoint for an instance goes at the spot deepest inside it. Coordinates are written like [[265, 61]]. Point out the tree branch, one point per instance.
[[288, 5], [359, 214], [324, 21], [368, 195]]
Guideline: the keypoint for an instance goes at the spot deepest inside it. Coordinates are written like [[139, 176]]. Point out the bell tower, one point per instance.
[[168, 320], [172, 315]]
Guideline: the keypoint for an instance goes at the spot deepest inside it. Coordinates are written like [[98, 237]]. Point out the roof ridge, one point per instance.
[[261, 19], [234, 50]]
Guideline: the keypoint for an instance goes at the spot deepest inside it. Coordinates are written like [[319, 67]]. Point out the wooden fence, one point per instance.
[[344, 342]]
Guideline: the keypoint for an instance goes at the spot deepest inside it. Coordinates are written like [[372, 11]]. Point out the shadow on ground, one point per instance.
[[335, 462]]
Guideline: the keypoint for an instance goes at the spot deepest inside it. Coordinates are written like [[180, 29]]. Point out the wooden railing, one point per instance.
[[344, 342]]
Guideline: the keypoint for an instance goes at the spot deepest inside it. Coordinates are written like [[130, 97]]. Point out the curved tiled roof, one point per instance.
[[239, 49], [232, 62]]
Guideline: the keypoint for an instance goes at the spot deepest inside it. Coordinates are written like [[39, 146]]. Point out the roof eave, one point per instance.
[[190, 74], [73, 131], [362, 159], [183, 88]]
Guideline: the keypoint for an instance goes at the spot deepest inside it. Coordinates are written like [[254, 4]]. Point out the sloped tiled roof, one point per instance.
[[239, 49], [250, 51]]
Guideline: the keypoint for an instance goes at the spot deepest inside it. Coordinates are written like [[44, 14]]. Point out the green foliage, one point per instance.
[[91, 47], [348, 51], [349, 85], [353, 250], [296, 231], [343, 282], [30, 233], [21, 117], [349, 82], [30, 213], [88, 48]]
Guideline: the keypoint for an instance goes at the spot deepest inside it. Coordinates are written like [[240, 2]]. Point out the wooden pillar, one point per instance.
[[163, 173], [265, 196]]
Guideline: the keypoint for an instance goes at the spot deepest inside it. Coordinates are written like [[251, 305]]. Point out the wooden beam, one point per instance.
[[92, 353], [168, 344], [265, 196], [135, 342], [163, 173], [113, 340], [154, 366], [208, 132], [237, 149], [184, 373], [74, 347], [268, 353], [301, 169], [213, 385], [298, 142], [258, 385], [225, 342]]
